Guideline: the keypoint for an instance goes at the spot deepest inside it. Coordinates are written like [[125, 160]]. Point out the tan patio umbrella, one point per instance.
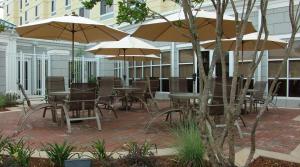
[[248, 43], [71, 28], [126, 46], [161, 30]]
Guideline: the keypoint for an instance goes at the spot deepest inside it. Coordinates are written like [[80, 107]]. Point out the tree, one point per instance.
[[138, 11]]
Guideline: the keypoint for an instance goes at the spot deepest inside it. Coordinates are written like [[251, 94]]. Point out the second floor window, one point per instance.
[[7, 9], [36, 11], [26, 2], [84, 12], [21, 20], [21, 4], [26, 16], [53, 6], [104, 8], [67, 2]]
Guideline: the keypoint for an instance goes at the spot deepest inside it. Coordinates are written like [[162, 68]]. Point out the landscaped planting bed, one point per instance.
[[270, 162]]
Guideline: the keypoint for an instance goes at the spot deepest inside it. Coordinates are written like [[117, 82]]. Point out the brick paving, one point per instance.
[[278, 131]]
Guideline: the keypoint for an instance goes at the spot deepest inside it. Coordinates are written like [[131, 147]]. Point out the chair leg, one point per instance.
[[97, 119], [44, 113], [241, 118], [66, 110]]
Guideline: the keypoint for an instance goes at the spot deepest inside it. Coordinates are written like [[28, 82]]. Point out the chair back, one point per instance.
[[20, 86], [141, 84], [177, 85], [106, 85], [260, 86], [82, 96], [55, 83], [117, 83]]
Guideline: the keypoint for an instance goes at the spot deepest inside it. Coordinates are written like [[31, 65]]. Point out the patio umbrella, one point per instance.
[[71, 28], [248, 43], [126, 46], [161, 30]]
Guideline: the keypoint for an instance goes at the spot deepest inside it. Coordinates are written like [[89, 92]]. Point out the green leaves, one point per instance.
[[58, 153], [132, 12], [89, 4], [19, 153]]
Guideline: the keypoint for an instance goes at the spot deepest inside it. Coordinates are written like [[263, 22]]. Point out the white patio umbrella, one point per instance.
[[248, 43], [71, 28], [126, 46]]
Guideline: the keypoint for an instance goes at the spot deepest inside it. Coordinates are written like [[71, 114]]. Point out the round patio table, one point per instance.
[[55, 102], [125, 94]]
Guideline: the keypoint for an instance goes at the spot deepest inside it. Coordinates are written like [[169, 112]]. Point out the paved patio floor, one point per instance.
[[279, 130]]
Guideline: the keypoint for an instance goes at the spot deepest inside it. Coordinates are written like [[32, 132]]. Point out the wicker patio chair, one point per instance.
[[105, 97], [30, 109], [155, 111], [274, 95], [82, 98], [54, 84]]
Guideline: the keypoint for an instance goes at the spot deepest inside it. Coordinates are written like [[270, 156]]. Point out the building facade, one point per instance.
[[176, 58]]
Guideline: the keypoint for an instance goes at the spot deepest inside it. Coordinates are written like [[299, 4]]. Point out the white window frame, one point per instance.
[[107, 7], [68, 4], [53, 8]]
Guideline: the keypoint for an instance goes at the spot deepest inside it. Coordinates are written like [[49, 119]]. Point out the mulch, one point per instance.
[[270, 162]]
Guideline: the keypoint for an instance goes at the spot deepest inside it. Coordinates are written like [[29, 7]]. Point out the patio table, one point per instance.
[[55, 102], [126, 94], [190, 100]]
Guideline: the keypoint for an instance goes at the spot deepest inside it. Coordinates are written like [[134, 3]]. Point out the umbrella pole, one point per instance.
[[124, 74], [73, 59]]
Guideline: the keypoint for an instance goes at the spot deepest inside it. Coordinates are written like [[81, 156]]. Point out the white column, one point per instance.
[[43, 75], [11, 65], [83, 70], [34, 85], [231, 63]]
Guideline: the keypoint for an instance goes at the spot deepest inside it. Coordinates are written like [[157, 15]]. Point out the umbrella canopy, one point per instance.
[[248, 43], [134, 57], [72, 28], [62, 28], [126, 46], [161, 30]]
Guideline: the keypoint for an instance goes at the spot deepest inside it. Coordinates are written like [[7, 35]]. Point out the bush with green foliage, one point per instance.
[[58, 153], [2, 101], [11, 99], [99, 151], [139, 155], [19, 153], [188, 144], [3, 144], [92, 79]]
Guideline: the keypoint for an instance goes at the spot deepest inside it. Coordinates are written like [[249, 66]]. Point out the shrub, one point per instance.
[[188, 144], [99, 151], [92, 79], [58, 153], [11, 99], [3, 144], [139, 155], [2, 101], [19, 153]]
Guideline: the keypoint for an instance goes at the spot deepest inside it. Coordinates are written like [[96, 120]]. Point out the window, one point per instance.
[[26, 16], [53, 6], [7, 10], [21, 20], [67, 2], [21, 4], [104, 9], [26, 2], [84, 12], [36, 11]]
